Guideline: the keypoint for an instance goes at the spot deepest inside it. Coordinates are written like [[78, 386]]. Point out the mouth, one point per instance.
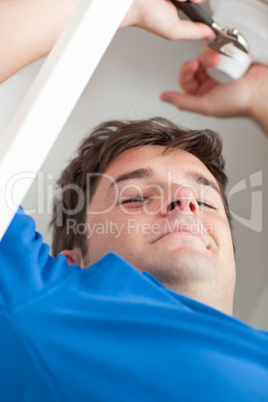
[[182, 230]]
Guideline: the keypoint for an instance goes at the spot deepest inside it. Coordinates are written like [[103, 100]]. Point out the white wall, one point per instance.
[[135, 70]]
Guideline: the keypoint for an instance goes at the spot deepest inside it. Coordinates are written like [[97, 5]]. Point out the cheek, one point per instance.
[[218, 227], [107, 232], [101, 241], [225, 241], [225, 235]]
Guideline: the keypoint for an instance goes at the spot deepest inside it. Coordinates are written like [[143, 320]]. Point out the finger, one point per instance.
[[187, 74], [188, 69], [193, 78], [191, 103], [208, 57]]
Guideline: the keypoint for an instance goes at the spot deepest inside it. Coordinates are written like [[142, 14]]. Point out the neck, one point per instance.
[[205, 293], [205, 296]]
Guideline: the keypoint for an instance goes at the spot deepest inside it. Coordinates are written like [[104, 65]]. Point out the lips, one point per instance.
[[182, 229]]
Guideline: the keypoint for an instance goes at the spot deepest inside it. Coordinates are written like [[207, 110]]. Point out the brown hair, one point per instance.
[[106, 142]]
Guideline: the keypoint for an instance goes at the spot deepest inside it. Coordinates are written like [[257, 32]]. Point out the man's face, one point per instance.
[[164, 214]]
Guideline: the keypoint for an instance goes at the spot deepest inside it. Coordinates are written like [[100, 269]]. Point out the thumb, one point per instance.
[[191, 103], [190, 30]]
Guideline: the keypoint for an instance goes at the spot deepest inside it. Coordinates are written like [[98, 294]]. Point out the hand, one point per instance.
[[30, 28], [244, 97], [161, 18]]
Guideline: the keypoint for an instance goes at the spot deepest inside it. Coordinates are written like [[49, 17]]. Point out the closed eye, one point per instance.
[[205, 204], [135, 200]]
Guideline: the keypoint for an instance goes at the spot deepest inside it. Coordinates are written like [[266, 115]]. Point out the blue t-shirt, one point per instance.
[[112, 333]]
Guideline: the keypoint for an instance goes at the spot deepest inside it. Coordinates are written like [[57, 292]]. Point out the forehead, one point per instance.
[[155, 157]]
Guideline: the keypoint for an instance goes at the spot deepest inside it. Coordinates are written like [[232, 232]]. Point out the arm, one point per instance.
[[244, 97], [30, 28]]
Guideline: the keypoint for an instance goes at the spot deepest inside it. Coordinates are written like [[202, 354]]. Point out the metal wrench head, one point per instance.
[[226, 38]]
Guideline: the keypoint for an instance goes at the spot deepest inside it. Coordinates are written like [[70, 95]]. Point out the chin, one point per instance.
[[185, 266]]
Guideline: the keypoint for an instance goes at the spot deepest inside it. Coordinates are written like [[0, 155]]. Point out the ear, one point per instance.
[[73, 257]]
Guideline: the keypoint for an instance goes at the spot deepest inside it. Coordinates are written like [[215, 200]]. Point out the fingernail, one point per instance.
[[166, 98]]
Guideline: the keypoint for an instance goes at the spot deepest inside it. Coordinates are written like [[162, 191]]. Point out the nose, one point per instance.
[[183, 200]]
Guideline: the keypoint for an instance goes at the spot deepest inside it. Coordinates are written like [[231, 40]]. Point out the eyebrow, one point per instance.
[[145, 173], [200, 179]]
